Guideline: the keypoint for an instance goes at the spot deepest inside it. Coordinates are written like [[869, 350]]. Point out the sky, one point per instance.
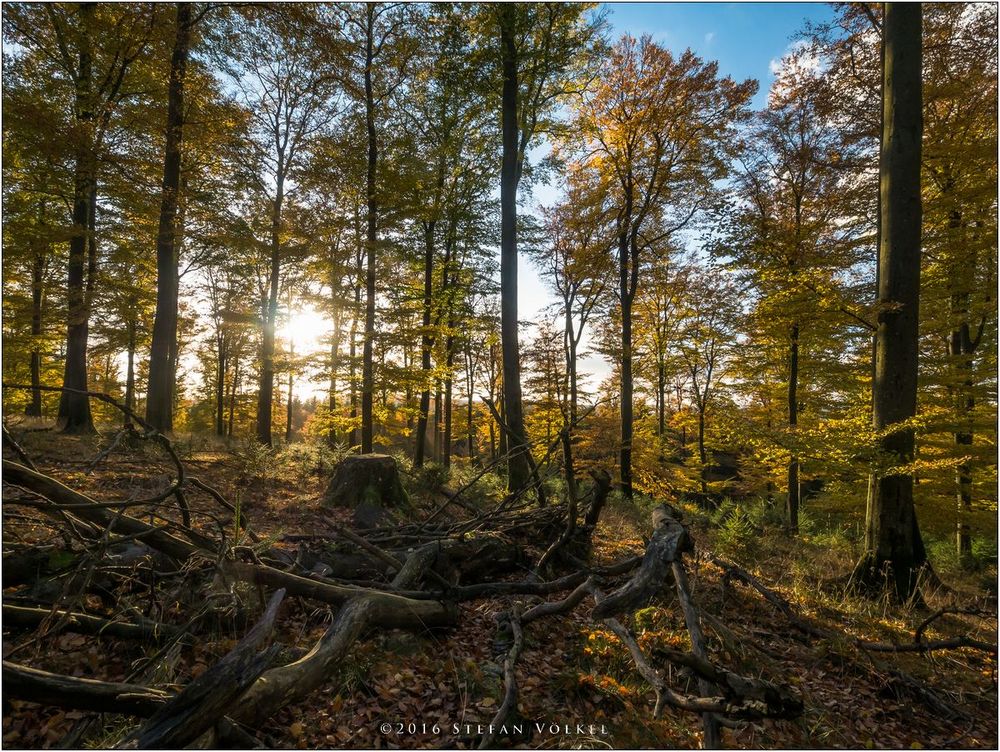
[[747, 39]]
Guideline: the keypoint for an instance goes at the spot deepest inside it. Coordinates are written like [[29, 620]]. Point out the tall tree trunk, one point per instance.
[[334, 367], [74, 409], [571, 379], [426, 343], [353, 353], [661, 403], [518, 469], [38, 261], [470, 427], [625, 287], [436, 450], [368, 366], [702, 453], [221, 368], [446, 436], [232, 395], [288, 409], [792, 500], [961, 349], [162, 358], [130, 371], [265, 396], [894, 550]]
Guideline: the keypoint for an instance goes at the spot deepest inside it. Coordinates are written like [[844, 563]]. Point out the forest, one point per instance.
[[344, 341]]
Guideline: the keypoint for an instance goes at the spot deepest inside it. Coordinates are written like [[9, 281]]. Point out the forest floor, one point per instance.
[[408, 690]]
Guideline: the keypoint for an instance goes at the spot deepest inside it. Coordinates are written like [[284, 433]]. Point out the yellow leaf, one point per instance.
[[296, 729]]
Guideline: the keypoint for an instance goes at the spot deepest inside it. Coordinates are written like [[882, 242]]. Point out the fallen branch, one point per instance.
[[509, 703], [91, 511], [282, 685], [140, 629], [34, 685], [205, 700]]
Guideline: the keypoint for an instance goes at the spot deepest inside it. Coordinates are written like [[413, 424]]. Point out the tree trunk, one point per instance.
[[702, 454], [74, 409], [426, 343], [368, 365], [288, 408], [220, 385], [661, 406], [571, 378], [265, 397], [34, 407], [162, 357], [232, 395], [894, 550], [130, 372], [961, 347], [334, 367], [625, 298], [470, 429], [792, 502], [446, 436], [518, 469]]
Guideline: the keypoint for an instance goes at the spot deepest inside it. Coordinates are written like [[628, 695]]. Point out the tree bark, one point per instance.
[[222, 366], [368, 365], [962, 347], [792, 500], [130, 371], [518, 470], [232, 395], [288, 407], [38, 261], [894, 550], [426, 343], [162, 365], [74, 409], [265, 397]]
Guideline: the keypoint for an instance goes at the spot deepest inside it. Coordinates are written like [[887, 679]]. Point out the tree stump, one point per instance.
[[369, 484]]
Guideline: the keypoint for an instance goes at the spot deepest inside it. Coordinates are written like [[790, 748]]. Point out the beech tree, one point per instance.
[[542, 57], [655, 128], [91, 49], [894, 551]]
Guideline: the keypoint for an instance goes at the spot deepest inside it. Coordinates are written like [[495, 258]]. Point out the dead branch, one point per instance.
[[91, 511], [512, 619], [8, 441], [202, 702], [139, 629], [34, 685]]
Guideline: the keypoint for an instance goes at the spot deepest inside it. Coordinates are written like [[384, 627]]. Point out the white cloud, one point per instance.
[[794, 57], [709, 37]]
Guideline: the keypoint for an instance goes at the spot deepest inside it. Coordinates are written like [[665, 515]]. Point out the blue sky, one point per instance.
[[746, 39], [743, 37]]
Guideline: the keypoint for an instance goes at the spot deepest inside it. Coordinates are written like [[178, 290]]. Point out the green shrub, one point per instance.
[[736, 534], [254, 461]]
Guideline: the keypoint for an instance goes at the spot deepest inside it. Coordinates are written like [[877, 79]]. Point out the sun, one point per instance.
[[306, 329]]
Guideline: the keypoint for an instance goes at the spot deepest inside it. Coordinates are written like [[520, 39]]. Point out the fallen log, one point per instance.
[[712, 736], [385, 609], [205, 700], [509, 703], [282, 685], [139, 629], [34, 685], [91, 511]]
